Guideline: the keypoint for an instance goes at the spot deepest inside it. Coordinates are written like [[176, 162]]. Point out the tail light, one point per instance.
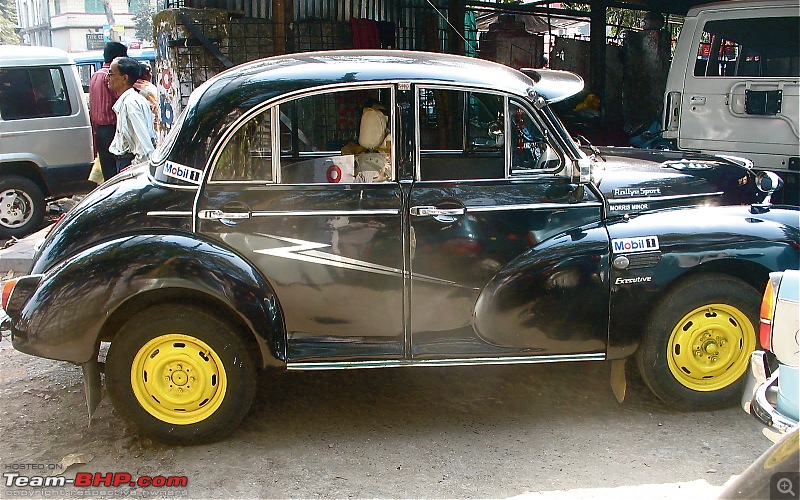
[[766, 313], [8, 287]]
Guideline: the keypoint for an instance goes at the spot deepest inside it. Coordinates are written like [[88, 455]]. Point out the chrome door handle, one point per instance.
[[219, 214], [426, 211]]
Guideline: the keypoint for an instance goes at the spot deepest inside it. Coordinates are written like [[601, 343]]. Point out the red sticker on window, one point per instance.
[[334, 173]]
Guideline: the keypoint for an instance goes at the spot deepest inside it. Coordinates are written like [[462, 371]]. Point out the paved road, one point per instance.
[[477, 432]]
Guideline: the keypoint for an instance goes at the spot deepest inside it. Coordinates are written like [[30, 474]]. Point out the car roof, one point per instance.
[[728, 5], [309, 69], [255, 83], [23, 55]]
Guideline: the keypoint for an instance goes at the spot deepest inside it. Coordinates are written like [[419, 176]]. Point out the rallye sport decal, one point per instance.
[[308, 251], [640, 244]]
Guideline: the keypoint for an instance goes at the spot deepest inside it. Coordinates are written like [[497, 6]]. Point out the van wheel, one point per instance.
[[696, 349], [21, 206], [180, 375]]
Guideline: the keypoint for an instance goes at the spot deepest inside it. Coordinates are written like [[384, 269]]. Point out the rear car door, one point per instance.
[[489, 197], [288, 194]]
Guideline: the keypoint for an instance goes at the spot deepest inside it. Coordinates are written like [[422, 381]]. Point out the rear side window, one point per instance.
[[33, 93], [750, 47]]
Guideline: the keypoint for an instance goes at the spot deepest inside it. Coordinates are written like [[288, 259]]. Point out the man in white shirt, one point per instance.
[[134, 140]]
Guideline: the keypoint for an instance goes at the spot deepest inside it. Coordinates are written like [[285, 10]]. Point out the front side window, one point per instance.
[[33, 93], [467, 135], [461, 134], [337, 137], [751, 47]]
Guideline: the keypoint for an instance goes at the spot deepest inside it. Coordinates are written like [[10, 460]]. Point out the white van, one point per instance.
[[45, 136], [734, 85]]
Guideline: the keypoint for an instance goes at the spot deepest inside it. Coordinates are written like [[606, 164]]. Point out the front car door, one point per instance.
[[507, 256]]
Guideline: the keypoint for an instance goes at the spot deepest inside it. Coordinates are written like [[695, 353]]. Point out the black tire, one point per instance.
[[180, 375], [696, 348], [21, 206]]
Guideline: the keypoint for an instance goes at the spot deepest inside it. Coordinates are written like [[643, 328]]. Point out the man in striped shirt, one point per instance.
[[101, 114]]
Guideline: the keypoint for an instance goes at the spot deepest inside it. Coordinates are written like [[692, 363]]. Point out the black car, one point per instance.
[[362, 209]]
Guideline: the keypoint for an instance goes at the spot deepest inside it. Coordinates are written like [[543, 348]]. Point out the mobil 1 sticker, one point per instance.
[[182, 172], [638, 244]]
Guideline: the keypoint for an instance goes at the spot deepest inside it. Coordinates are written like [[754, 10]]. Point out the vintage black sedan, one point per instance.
[[361, 209]]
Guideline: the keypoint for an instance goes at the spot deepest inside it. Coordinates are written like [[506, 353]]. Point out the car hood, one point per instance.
[[637, 179]]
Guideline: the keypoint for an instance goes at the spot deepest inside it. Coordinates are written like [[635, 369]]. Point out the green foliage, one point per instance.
[[8, 22], [143, 22]]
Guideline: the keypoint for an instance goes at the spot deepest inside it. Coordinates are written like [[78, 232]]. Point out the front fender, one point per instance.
[[64, 316], [715, 240]]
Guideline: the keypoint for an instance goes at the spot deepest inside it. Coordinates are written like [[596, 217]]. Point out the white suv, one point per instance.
[[45, 135]]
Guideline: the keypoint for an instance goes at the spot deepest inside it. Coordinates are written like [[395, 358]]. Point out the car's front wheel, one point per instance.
[[21, 206], [180, 374], [697, 346]]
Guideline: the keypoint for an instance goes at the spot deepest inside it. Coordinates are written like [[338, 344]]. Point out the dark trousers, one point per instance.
[[124, 161], [104, 134]]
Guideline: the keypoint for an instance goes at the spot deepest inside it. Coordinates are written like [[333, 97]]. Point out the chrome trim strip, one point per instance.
[[646, 199], [331, 213], [168, 213], [355, 365], [532, 206]]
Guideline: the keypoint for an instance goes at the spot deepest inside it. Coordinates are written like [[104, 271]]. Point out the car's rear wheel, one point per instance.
[[697, 347], [180, 374], [21, 206]]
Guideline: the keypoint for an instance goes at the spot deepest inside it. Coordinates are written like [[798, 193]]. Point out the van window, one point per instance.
[[752, 47], [33, 93]]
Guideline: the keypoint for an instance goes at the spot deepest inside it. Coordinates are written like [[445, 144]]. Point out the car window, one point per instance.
[[751, 47], [33, 93], [337, 137], [461, 134], [248, 154], [530, 148]]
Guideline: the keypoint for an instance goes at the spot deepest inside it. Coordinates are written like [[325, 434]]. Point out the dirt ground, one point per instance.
[[552, 431]]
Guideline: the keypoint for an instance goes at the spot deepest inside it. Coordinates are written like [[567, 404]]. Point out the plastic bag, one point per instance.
[[96, 175]]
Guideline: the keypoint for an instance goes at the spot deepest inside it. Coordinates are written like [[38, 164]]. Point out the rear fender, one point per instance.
[[65, 316]]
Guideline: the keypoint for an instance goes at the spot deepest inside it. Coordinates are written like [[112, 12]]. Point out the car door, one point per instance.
[[324, 231], [489, 199]]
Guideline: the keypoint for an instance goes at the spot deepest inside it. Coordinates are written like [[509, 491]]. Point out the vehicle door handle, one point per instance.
[[219, 214], [697, 101], [436, 212]]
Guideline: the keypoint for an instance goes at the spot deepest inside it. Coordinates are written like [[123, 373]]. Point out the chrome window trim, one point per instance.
[[543, 121], [275, 131], [537, 119], [510, 360]]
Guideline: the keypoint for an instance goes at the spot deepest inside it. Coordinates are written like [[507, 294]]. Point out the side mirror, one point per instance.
[[768, 182]]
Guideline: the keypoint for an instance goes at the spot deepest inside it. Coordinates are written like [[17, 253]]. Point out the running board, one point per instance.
[[355, 365]]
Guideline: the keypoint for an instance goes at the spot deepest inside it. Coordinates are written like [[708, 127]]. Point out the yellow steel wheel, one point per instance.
[[709, 348], [178, 379]]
